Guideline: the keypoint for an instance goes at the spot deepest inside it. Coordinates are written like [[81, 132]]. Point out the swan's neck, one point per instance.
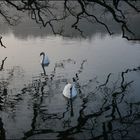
[[71, 92], [43, 58]]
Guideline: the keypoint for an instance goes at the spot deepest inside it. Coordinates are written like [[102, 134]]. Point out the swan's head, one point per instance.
[[42, 53]]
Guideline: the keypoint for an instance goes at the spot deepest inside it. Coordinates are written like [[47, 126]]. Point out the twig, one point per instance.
[[1, 67], [1, 42]]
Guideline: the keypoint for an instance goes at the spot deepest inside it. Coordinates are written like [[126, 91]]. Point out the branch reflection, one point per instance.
[[104, 111], [87, 122], [69, 18]]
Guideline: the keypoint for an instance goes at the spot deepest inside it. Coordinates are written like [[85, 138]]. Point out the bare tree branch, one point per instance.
[[1, 42]]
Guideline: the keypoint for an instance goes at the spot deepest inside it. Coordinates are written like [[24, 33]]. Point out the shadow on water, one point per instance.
[[2, 130], [101, 112]]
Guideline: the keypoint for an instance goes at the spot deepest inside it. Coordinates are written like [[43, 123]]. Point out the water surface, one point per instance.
[[107, 105]]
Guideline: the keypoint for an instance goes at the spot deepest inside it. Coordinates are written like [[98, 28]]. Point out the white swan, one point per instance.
[[70, 91], [45, 60]]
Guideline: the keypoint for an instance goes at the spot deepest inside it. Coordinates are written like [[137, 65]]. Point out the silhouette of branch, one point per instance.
[[1, 42], [125, 72], [44, 13], [133, 6], [2, 130], [11, 20], [1, 67], [105, 81]]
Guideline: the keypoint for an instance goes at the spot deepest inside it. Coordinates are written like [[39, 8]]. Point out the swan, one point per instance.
[[45, 60], [70, 90]]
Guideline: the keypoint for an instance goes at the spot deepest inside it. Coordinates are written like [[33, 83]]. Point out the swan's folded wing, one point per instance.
[[66, 91], [46, 60], [74, 91]]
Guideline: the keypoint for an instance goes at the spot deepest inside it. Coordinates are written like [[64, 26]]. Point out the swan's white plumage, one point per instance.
[[69, 91], [46, 60]]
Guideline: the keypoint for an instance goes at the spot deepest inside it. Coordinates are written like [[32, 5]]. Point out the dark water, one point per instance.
[[107, 73]]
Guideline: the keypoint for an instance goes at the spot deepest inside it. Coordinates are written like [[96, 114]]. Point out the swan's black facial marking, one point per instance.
[[42, 53]]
